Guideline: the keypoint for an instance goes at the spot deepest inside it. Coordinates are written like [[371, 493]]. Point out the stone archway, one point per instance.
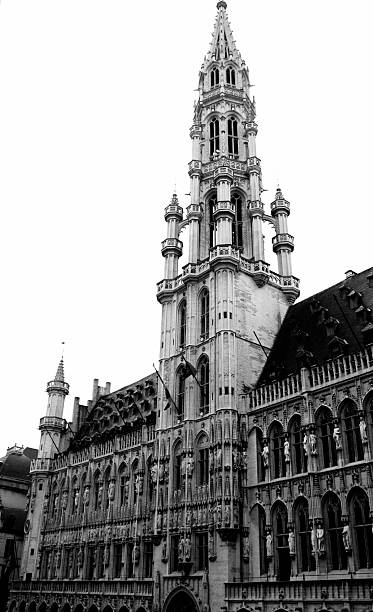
[[180, 600]]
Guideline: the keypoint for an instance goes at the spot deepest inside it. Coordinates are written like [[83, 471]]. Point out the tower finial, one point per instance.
[[60, 375], [221, 4]]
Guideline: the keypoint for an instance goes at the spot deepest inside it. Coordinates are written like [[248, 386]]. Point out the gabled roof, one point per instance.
[[335, 321], [120, 410]]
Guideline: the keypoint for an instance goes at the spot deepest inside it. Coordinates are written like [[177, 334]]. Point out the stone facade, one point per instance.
[[232, 478]]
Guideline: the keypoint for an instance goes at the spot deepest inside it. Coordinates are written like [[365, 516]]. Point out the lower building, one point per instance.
[[14, 484]]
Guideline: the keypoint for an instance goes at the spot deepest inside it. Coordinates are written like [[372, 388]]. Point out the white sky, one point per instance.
[[95, 109]]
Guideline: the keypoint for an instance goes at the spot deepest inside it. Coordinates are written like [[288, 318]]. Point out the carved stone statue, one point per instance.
[[190, 466], [187, 549], [313, 443], [80, 556], [287, 450], [246, 547], [86, 496], [346, 537], [135, 554], [227, 515], [313, 540], [99, 496], [106, 555], [154, 473], [363, 430], [320, 539], [269, 545], [265, 455], [181, 549], [305, 443], [64, 499], [291, 540], [111, 490], [337, 436]]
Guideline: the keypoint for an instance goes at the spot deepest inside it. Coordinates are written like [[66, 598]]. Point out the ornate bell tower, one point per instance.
[[222, 310]]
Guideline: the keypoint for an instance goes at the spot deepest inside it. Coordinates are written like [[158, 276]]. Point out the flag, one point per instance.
[[189, 370], [167, 393]]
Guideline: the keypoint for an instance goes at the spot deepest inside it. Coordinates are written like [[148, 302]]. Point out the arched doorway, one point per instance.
[[180, 601]]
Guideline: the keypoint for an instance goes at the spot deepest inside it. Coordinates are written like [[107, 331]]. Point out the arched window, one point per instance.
[[280, 541], [182, 323], [97, 491], [204, 316], [324, 427], [361, 525], [211, 204], [177, 466], [134, 476], [214, 136], [122, 483], [237, 222], [259, 451], [276, 438], [230, 75], [298, 456], [233, 136], [306, 562], [204, 379], [180, 393], [336, 553], [351, 432], [203, 461], [368, 405], [214, 77]]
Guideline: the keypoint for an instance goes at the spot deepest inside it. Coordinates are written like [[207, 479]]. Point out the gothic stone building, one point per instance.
[[239, 477]]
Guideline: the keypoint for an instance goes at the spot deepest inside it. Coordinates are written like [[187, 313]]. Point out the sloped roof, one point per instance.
[[335, 321], [16, 465], [120, 410]]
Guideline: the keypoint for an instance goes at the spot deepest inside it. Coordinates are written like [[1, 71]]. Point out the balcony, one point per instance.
[[105, 588], [52, 421], [283, 241], [172, 245]]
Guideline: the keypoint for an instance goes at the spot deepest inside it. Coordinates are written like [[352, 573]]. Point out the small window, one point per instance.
[[211, 203], [204, 318], [182, 323], [214, 136], [324, 428], [214, 77], [230, 76], [233, 136], [117, 560], [201, 550], [148, 559], [174, 556], [351, 431], [278, 468], [237, 237], [204, 382], [336, 553]]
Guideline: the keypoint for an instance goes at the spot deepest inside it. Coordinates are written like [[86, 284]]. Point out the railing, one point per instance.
[[283, 239], [142, 588], [224, 251], [275, 391], [356, 589], [40, 464], [341, 367]]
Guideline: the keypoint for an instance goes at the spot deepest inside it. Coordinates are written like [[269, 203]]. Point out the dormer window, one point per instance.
[[232, 136], [230, 76], [214, 77], [214, 136]]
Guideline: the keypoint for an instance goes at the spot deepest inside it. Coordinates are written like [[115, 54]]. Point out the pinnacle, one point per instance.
[[221, 4], [174, 199], [60, 376]]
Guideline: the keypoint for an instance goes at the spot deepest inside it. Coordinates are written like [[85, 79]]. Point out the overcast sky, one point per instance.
[[95, 108]]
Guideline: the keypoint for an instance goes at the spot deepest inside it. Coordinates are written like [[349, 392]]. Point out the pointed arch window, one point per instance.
[[204, 317], [361, 529], [134, 474], [177, 466], [97, 492], [230, 76], [324, 429], [278, 468], [214, 77], [306, 561], [214, 132], [233, 136], [211, 204], [237, 240], [281, 544], [180, 393], [203, 461], [182, 323], [204, 381], [351, 432], [298, 456], [259, 451], [336, 553]]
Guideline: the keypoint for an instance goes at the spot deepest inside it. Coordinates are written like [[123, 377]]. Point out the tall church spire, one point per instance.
[[222, 45]]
